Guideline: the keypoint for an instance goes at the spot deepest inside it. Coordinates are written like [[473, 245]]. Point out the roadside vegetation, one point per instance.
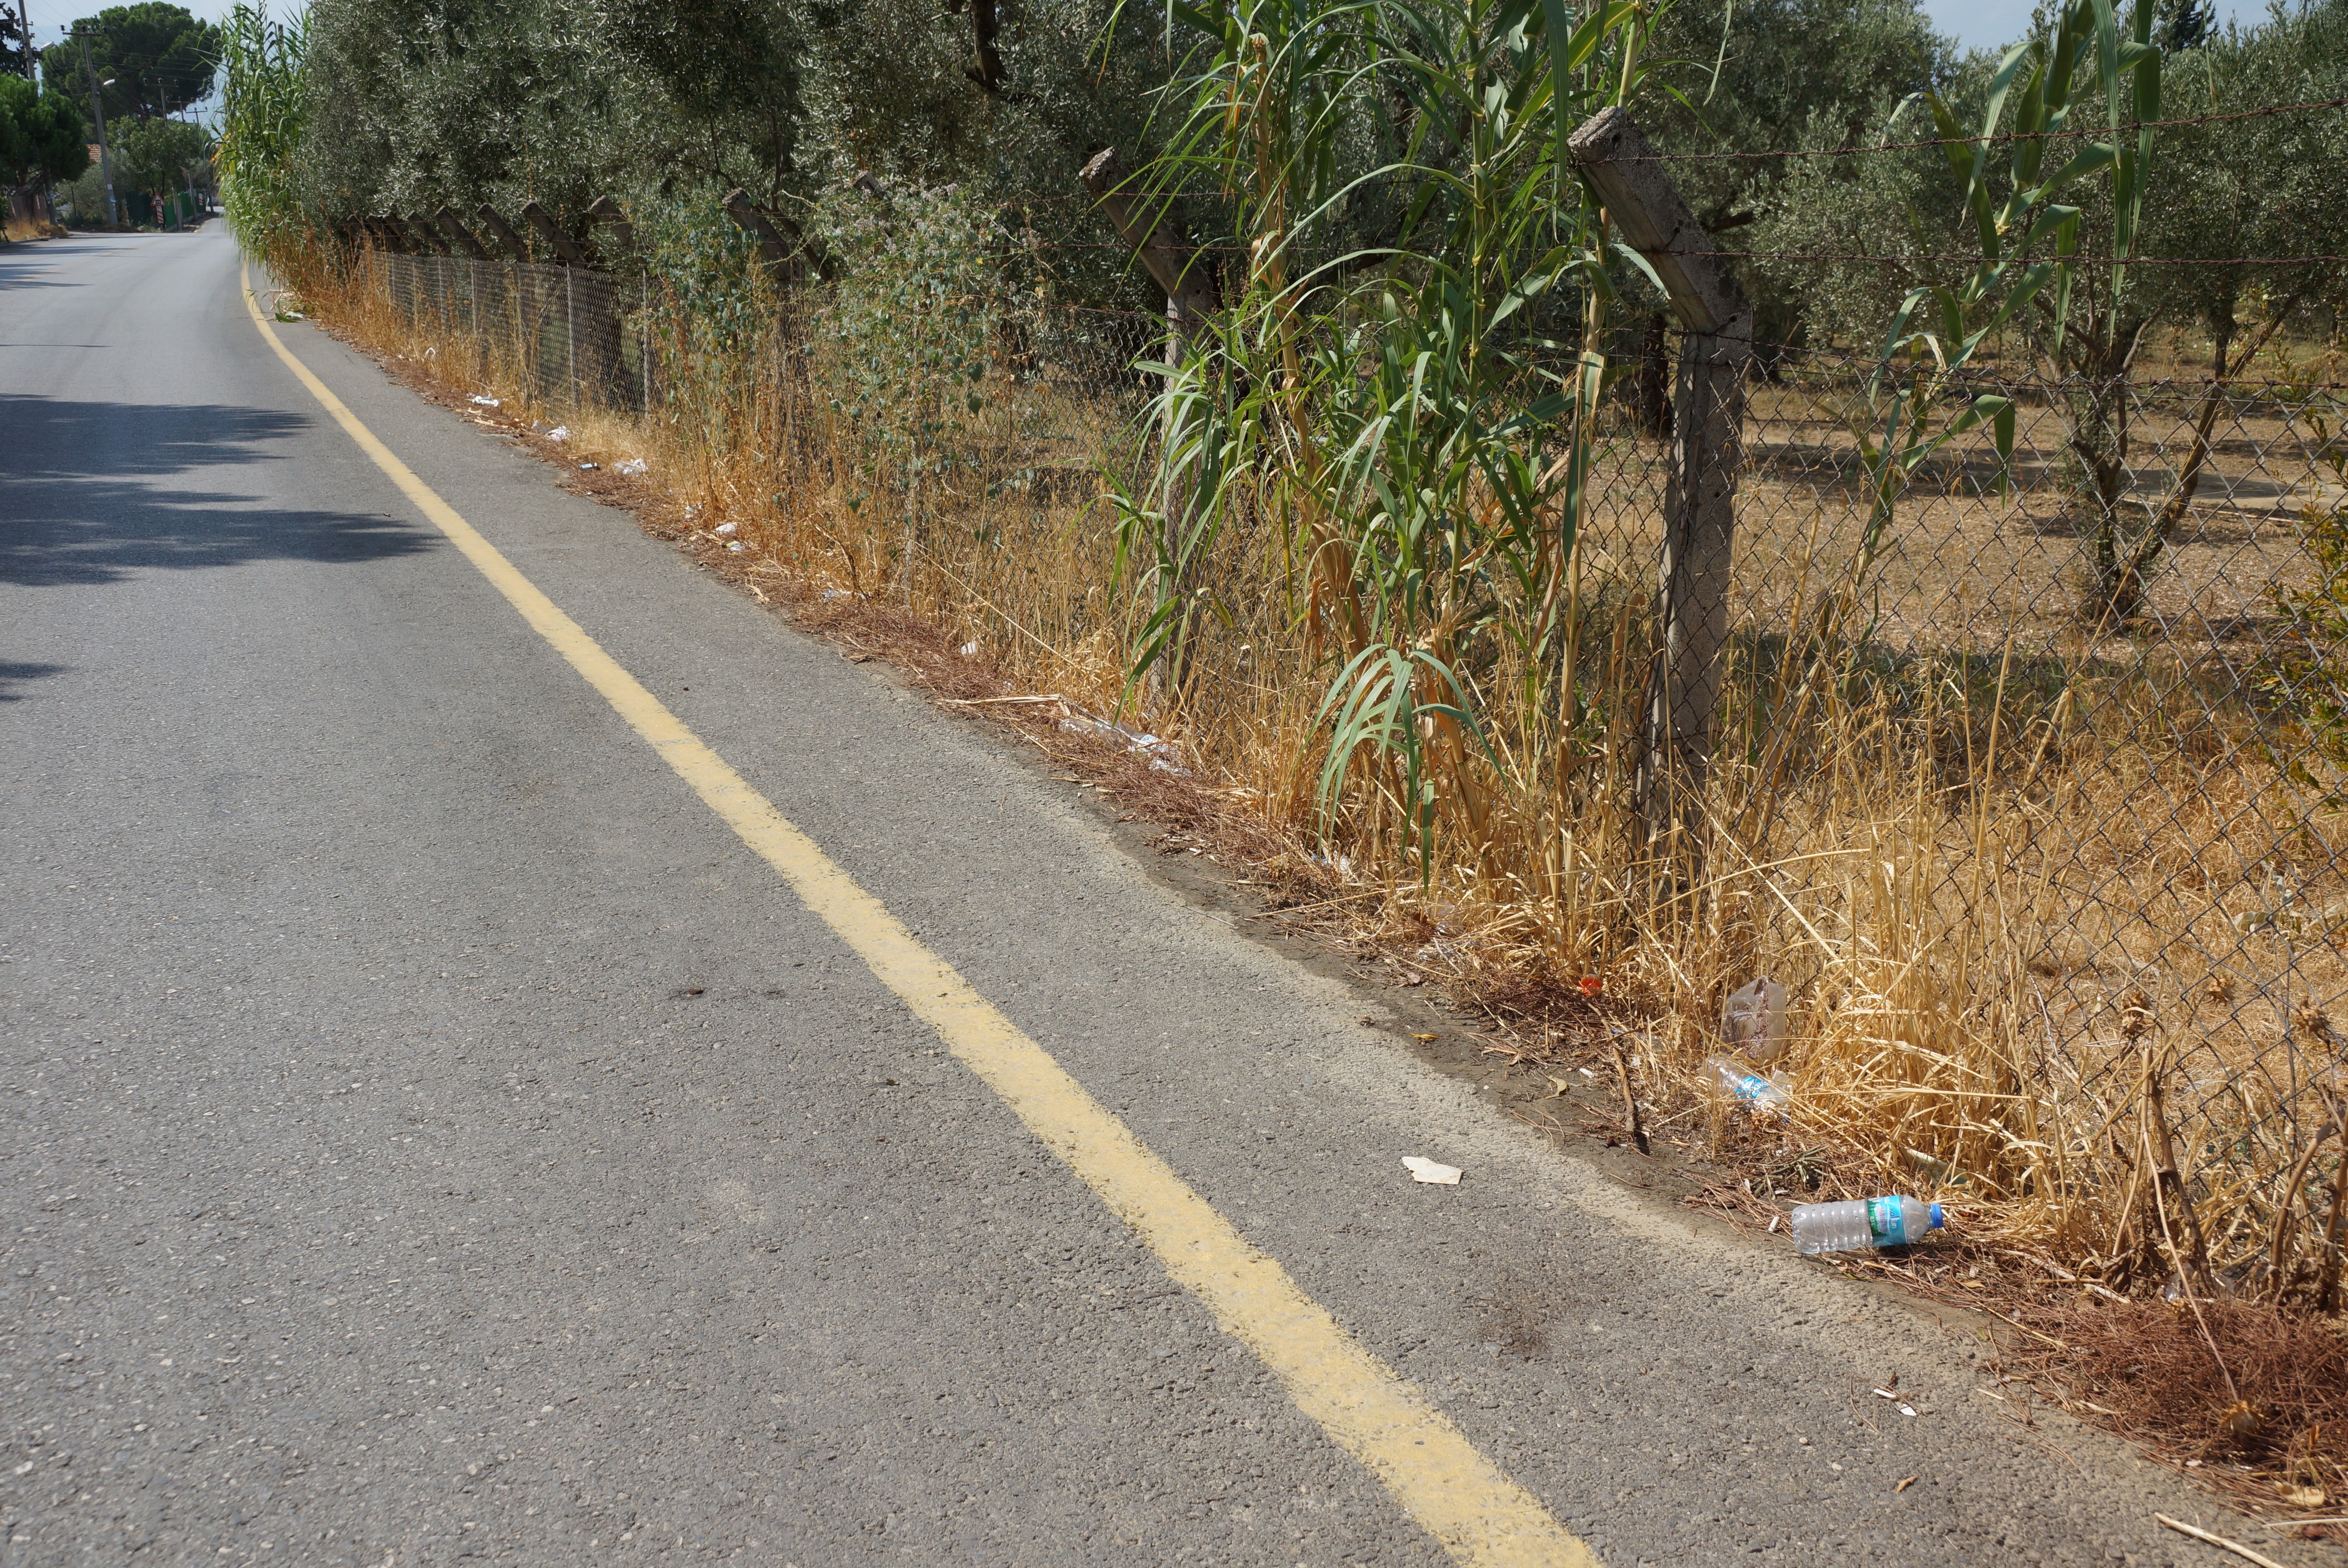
[[2041, 838]]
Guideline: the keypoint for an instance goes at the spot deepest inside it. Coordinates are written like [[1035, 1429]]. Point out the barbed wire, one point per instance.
[[1854, 149]]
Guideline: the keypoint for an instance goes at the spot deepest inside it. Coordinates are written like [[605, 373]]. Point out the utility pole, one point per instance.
[[104, 149]]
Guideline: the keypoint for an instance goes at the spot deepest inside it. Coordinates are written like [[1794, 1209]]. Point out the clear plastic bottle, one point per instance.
[[1737, 1080], [1864, 1223]]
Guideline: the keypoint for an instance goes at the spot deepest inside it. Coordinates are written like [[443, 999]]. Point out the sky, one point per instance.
[[1994, 24]]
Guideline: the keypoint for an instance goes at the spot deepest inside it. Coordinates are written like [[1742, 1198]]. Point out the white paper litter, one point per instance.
[[632, 467], [736, 545], [726, 527], [487, 402], [969, 649], [1426, 1170], [560, 433]]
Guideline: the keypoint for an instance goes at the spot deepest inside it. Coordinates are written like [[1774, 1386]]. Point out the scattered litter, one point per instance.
[[632, 467], [736, 545], [1905, 1482], [1883, 1393], [1754, 1021], [1735, 1077], [1585, 1072], [1860, 1224], [1773, 1223], [296, 315], [1163, 757], [2236, 1547], [586, 468], [726, 527], [1424, 1170], [1933, 1169], [1423, 1038], [969, 649], [484, 401], [560, 433], [1907, 1410]]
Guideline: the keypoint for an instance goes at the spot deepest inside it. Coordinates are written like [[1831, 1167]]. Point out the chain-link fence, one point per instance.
[[572, 337], [2081, 704], [2043, 743]]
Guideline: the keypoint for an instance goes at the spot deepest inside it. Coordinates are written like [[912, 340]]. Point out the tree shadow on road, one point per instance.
[[11, 673], [85, 498]]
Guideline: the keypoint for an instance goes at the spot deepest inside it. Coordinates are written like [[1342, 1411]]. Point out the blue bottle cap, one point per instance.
[[1940, 1221]]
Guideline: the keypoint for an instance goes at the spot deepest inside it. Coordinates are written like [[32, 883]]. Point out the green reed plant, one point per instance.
[[1389, 381], [264, 112]]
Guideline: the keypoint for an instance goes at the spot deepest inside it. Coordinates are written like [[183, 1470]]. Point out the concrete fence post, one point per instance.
[[494, 223], [1700, 499], [1190, 297]]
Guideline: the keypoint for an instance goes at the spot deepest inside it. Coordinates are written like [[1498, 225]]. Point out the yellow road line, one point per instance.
[[1461, 1498]]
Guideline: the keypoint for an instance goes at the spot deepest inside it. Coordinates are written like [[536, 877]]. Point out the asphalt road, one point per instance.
[[430, 1132]]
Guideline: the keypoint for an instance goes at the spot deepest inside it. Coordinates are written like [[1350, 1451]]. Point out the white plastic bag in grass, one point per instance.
[[634, 468], [1753, 1021]]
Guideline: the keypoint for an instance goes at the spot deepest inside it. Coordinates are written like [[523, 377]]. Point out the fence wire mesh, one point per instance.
[[2110, 669], [2106, 675], [574, 337]]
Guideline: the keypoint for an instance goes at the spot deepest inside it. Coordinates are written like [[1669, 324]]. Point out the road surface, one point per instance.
[[433, 1132]]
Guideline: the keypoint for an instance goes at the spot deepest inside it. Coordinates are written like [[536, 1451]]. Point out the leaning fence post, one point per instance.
[[453, 227], [542, 223], [495, 223], [607, 211], [1174, 267], [1700, 499], [755, 223], [1190, 298]]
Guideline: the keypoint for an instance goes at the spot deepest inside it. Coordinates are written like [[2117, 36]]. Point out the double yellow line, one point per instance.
[[1462, 1499]]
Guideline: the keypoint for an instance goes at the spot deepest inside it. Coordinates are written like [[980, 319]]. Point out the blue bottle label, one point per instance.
[[1885, 1224]]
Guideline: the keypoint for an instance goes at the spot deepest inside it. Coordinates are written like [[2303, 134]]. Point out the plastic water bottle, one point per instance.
[[1735, 1079], [1864, 1223]]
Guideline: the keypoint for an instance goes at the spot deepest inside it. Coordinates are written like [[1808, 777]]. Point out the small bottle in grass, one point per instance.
[[1863, 1223]]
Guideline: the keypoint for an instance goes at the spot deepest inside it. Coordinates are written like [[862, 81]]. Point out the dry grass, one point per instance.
[[2043, 901]]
